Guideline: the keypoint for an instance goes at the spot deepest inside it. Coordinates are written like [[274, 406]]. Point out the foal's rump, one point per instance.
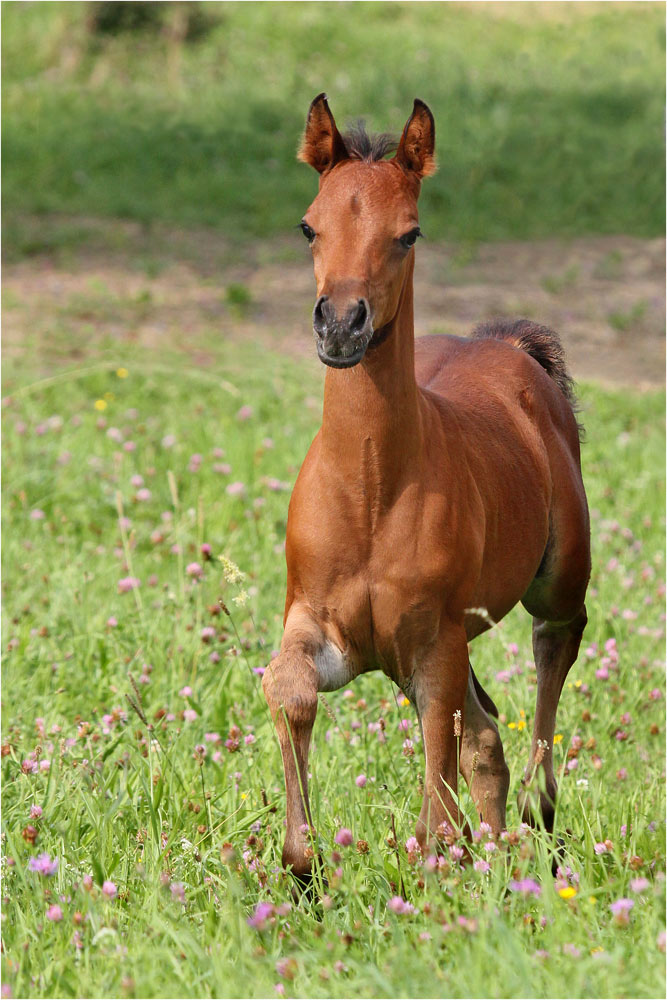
[[540, 342]]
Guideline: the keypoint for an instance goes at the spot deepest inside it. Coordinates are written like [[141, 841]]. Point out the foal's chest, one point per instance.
[[376, 595]]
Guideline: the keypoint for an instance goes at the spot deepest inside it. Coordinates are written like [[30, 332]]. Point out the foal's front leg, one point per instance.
[[290, 686], [440, 685]]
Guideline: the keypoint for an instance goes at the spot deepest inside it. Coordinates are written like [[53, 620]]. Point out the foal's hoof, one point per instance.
[[308, 887], [559, 852]]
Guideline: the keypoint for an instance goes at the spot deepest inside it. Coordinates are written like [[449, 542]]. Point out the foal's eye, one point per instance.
[[410, 238], [307, 231]]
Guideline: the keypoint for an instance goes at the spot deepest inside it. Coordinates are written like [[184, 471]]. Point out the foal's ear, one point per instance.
[[322, 145], [417, 145]]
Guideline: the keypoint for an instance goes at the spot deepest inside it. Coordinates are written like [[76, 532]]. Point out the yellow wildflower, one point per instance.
[[558, 738], [511, 725], [100, 404], [405, 702], [122, 372], [521, 725], [567, 892]]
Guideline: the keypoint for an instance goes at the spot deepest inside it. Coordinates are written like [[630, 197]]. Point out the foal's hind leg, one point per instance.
[[555, 647], [482, 760]]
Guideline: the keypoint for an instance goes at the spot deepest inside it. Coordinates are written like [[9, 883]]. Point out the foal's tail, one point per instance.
[[540, 342]]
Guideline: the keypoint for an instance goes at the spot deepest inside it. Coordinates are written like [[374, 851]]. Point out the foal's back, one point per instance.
[[488, 381]]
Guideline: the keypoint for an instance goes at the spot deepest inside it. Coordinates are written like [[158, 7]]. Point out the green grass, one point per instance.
[[549, 117], [127, 801]]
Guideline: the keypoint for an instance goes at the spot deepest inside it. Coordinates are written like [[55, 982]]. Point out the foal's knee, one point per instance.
[[290, 689]]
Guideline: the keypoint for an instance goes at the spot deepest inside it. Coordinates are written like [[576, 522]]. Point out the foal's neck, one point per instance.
[[371, 412]]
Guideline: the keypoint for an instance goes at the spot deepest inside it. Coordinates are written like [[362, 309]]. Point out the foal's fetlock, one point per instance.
[[537, 802], [298, 857]]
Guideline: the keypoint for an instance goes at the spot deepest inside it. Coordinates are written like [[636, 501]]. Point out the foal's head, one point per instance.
[[362, 226]]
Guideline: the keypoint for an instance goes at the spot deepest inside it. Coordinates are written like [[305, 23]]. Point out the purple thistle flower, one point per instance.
[[43, 864], [398, 905], [621, 910], [526, 887], [236, 489], [263, 911]]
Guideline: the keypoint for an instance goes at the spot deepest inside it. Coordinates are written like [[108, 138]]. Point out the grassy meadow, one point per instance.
[[143, 804], [549, 116]]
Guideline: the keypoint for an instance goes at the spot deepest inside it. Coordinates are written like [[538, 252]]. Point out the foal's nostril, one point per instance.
[[319, 318], [359, 316]]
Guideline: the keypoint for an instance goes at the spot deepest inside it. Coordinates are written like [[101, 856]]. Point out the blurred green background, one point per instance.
[[549, 116]]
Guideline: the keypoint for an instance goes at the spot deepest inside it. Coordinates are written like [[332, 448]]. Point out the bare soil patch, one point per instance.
[[78, 288]]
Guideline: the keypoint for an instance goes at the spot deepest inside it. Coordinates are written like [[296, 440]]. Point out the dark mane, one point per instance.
[[371, 148]]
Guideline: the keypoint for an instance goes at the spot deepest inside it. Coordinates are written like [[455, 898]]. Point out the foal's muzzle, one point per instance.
[[342, 341]]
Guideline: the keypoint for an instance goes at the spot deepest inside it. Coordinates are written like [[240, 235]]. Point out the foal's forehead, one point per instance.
[[360, 187]]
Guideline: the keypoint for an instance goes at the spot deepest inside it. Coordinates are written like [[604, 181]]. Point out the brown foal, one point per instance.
[[443, 487]]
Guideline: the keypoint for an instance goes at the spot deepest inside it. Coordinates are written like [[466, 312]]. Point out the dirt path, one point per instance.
[[82, 286]]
